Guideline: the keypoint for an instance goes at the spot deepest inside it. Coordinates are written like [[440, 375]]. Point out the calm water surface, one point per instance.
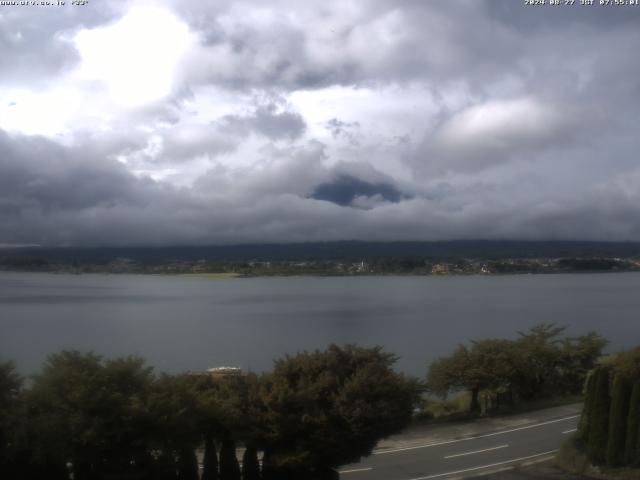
[[187, 323]]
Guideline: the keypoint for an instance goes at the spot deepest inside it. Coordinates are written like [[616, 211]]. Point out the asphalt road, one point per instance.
[[465, 457]]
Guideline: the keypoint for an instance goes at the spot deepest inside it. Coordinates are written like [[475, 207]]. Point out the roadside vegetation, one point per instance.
[[541, 368], [607, 444], [90, 418], [86, 417]]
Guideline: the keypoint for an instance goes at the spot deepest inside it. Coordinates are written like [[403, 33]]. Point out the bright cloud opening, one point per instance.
[[135, 58]]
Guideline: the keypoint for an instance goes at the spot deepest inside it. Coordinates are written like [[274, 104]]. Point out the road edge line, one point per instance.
[[484, 466], [466, 439]]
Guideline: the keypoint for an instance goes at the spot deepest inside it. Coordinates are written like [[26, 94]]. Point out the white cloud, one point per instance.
[[492, 132], [203, 121], [135, 58]]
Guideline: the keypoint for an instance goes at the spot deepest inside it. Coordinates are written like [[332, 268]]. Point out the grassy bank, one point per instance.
[[456, 409], [572, 459]]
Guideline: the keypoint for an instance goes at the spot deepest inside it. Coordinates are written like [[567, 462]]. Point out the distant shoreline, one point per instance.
[[207, 275], [237, 275], [333, 259]]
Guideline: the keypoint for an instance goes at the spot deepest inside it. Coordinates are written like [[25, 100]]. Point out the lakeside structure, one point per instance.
[[218, 373]]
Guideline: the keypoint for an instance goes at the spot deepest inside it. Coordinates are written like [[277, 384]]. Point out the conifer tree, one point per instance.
[[165, 466], [618, 414], [187, 465], [250, 465], [210, 460], [229, 468], [268, 471], [599, 418], [632, 445], [589, 393]]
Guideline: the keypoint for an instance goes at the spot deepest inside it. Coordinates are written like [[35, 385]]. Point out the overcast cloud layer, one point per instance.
[[172, 122]]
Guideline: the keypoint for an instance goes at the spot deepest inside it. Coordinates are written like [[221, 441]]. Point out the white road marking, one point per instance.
[[447, 442], [484, 466], [570, 431], [476, 451], [355, 470]]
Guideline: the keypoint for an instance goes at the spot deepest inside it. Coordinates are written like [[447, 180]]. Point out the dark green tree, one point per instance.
[[589, 395], [10, 388], [126, 425], [579, 356], [620, 396], [328, 408], [174, 408], [627, 362], [229, 467], [101, 407], [599, 418], [165, 467], [632, 444], [489, 364], [250, 465], [210, 460], [540, 362], [187, 464], [269, 469], [455, 372], [537, 364]]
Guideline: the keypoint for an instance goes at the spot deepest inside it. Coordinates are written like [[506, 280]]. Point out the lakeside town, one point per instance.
[[327, 267]]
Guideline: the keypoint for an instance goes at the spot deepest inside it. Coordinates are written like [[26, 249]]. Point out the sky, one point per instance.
[[196, 122]]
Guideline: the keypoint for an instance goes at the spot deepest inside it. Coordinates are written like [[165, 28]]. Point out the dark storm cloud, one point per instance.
[[38, 173], [67, 195], [183, 142], [345, 189], [529, 131], [267, 120], [74, 198]]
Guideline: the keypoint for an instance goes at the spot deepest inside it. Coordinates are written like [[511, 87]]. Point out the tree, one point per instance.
[[489, 364], [10, 389], [632, 444], [100, 407], [448, 373], [229, 468], [210, 461], [539, 363], [618, 420], [187, 464], [325, 409], [454, 372], [599, 418], [578, 356], [165, 467], [250, 465], [232, 410], [495, 365], [610, 423], [589, 394], [175, 413], [627, 362], [10, 386], [269, 468]]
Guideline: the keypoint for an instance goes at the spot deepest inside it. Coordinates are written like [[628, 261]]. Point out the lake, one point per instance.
[[181, 323]]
